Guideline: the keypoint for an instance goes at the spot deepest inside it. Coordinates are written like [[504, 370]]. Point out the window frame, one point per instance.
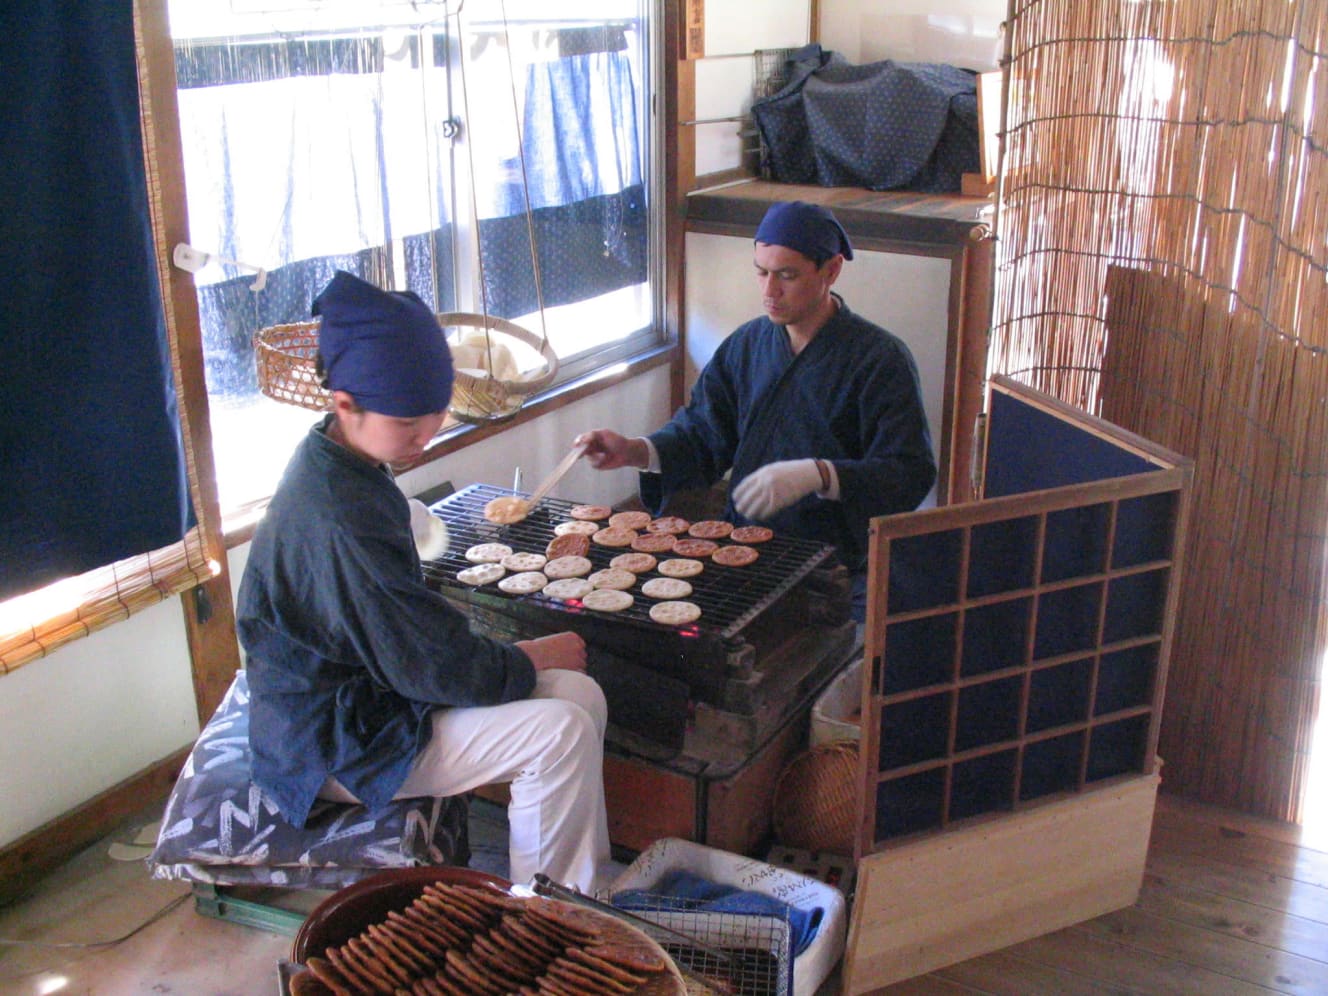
[[597, 368]]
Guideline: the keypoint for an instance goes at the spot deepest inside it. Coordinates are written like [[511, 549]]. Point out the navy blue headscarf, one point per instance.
[[806, 228], [384, 348]]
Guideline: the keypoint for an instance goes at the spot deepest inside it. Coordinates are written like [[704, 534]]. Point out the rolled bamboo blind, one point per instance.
[[34, 625], [1162, 261]]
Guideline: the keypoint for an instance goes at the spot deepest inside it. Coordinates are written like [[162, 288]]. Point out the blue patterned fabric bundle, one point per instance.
[[884, 126]]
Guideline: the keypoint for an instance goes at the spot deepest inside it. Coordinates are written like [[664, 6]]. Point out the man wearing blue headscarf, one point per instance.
[[366, 685], [815, 412]]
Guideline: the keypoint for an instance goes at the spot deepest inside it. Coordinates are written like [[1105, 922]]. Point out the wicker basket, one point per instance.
[[481, 397], [285, 357], [816, 799]]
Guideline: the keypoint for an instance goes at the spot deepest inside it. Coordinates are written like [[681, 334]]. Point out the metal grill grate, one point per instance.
[[729, 597]]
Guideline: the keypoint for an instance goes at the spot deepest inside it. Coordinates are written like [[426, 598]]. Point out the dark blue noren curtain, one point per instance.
[[91, 462]]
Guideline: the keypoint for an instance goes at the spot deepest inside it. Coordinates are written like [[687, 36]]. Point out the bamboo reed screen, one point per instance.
[[1162, 262], [34, 625]]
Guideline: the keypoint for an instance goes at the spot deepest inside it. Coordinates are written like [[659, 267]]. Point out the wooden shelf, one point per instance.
[[897, 221]]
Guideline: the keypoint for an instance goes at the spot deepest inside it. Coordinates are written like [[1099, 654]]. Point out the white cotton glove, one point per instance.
[[775, 486], [429, 530]]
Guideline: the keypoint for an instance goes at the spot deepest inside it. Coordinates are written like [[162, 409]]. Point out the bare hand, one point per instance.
[[557, 650], [607, 450]]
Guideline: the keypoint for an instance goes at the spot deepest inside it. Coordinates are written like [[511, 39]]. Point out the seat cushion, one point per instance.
[[220, 829]]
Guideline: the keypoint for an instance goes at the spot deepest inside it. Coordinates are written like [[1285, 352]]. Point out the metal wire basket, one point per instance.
[[758, 948]]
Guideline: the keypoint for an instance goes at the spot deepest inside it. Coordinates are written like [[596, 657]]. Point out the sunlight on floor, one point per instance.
[[1315, 822]]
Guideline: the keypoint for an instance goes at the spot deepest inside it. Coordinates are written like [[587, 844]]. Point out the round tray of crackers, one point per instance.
[[442, 929]]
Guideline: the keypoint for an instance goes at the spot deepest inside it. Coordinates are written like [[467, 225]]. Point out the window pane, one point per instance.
[[494, 166]]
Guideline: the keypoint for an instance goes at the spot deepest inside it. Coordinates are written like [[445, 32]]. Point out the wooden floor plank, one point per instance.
[[1004, 974], [1252, 885], [1115, 963], [1257, 964], [1225, 914], [929, 985], [1199, 812], [1172, 832]]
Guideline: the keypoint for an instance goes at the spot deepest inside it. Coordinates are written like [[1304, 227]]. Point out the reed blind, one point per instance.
[[34, 625], [1162, 262]]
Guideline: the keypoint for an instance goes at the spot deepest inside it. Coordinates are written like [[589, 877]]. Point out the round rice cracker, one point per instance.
[[481, 574], [607, 600], [568, 545], [506, 510], [666, 589], [680, 567], [525, 583], [614, 536], [630, 520], [710, 529], [524, 561], [488, 553], [688, 546], [637, 563], [752, 534], [570, 566], [590, 513], [734, 555], [568, 589], [675, 613], [585, 528], [654, 543], [613, 577], [670, 524]]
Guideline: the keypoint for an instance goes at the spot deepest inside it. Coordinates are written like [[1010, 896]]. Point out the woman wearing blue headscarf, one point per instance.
[[814, 411], [366, 684]]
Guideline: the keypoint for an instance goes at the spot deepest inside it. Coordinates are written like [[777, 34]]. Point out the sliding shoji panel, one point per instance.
[[1016, 646]]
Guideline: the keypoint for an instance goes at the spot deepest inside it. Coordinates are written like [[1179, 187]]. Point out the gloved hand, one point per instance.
[[775, 486], [429, 530]]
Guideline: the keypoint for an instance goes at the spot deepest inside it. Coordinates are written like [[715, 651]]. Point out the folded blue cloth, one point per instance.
[[696, 893]]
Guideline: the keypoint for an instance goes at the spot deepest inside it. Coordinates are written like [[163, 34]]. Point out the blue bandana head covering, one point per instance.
[[385, 348], [806, 228]]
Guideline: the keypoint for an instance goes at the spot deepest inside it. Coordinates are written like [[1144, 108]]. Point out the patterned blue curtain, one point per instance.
[[91, 459], [583, 180]]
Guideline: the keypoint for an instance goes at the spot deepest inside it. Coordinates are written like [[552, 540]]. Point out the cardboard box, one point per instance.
[[837, 714], [968, 891]]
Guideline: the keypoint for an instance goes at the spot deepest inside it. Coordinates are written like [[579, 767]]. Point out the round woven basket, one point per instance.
[[285, 357], [480, 396], [816, 799]]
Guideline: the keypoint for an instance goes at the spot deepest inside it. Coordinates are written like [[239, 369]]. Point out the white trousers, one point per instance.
[[550, 747]]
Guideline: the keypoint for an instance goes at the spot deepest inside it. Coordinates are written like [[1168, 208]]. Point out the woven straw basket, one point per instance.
[[816, 799], [485, 398], [285, 357]]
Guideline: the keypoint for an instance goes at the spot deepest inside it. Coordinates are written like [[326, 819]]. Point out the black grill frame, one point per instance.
[[730, 597]]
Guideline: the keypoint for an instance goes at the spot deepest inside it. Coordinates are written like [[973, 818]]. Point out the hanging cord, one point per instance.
[[474, 200], [525, 183]]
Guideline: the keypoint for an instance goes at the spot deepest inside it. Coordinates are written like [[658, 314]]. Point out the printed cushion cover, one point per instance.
[[220, 829]]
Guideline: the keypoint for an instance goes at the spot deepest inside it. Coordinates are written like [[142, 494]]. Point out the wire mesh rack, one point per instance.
[[770, 73], [756, 949]]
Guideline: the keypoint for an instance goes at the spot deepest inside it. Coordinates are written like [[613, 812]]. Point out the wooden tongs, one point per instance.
[[556, 475]]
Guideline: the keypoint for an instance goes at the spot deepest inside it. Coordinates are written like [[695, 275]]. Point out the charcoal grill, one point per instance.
[[769, 635]]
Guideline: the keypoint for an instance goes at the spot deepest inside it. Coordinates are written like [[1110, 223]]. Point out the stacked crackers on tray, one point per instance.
[[462, 940]]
